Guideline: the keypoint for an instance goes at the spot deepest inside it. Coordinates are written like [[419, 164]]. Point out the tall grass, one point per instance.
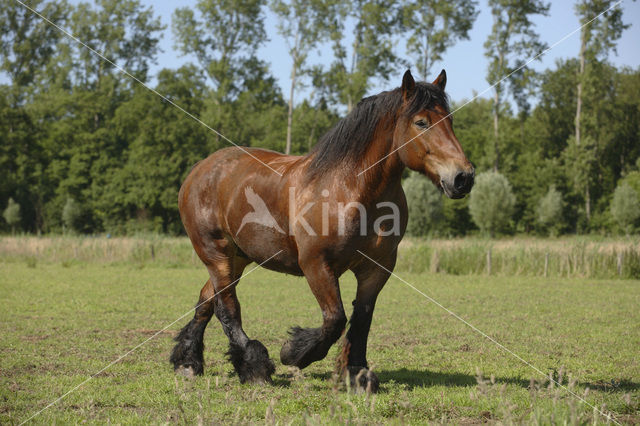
[[76, 249], [569, 257], [572, 257]]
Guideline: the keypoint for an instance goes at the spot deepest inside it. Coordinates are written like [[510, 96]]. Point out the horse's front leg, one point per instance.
[[371, 278], [306, 345]]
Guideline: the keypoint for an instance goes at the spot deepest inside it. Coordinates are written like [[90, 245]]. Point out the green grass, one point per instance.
[[65, 320]]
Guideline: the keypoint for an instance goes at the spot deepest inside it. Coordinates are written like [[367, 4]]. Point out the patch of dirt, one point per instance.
[[148, 332], [29, 369], [35, 338], [631, 419]]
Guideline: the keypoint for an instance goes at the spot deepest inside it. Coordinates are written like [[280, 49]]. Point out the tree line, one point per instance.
[[84, 148]]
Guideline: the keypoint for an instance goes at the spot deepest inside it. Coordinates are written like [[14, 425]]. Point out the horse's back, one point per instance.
[[234, 165], [218, 193]]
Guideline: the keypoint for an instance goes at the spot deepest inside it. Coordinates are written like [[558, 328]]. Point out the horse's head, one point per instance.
[[425, 140]]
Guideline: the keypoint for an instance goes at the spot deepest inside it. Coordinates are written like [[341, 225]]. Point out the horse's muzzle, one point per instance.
[[460, 185]]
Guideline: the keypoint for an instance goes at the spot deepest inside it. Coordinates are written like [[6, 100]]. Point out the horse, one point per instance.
[[335, 209]]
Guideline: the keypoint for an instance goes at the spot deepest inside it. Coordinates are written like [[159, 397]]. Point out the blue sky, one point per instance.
[[465, 63]]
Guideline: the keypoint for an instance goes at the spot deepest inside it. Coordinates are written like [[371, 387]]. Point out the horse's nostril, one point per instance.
[[460, 181]]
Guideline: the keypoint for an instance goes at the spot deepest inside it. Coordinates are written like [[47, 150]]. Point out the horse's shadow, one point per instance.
[[413, 379], [426, 378]]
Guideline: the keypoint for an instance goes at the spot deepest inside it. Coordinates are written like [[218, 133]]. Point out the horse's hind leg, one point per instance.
[[249, 357], [187, 355], [306, 345]]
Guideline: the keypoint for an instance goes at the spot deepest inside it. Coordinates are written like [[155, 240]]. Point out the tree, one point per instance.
[[12, 214], [310, 122], [261, 99], [472, 130], [371, 55], [164, 145], [553, 115], [597, 38], [27, 44], [223, 38], [511, 42], [425, 205], [625, 207], [87, 151], [549, 210], [303, 24], [434, 26], [121, 30], [491, 202]]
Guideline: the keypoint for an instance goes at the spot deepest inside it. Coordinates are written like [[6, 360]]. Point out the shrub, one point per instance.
[[425, 205], [72, 215], [632, 179], [625, 207], [549, 211], [12, 214], [492, 202]]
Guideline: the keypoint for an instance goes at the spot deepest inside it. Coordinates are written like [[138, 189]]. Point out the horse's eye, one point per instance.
[[422, 124]]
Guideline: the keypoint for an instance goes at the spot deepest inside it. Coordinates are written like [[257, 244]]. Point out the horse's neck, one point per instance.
[[382, 161], [381, 171]]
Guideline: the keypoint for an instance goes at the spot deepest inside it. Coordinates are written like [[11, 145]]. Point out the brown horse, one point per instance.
[[316, 216]]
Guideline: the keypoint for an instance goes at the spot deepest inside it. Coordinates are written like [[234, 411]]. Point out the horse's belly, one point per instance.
[[270, 249]]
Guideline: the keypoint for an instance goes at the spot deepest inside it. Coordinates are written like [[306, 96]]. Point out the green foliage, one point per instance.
[[473, 132], [310, 122], [549, 210], [72, 215], [224, 36], [600, 34], [625, 207], [72, 126], [433, 27], [512, 38], [370, 55], [26, 44], [597, 39], [424, 201], [632, 179], [122, 30], [304, 24], [492, 202], [11, 214]]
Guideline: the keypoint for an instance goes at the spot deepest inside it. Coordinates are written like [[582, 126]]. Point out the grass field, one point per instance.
[[64, 319]]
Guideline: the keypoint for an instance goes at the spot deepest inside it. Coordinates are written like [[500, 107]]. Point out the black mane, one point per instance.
[[350, 137]]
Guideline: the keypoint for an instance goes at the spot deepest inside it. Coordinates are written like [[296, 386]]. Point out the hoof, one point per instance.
[[363, 380], [185, 371], [186, 355], [302, 347], [286, 353], [252, 362]]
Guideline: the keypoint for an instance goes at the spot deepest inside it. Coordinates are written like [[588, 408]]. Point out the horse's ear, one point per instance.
[[441, 81], [408, 85]]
